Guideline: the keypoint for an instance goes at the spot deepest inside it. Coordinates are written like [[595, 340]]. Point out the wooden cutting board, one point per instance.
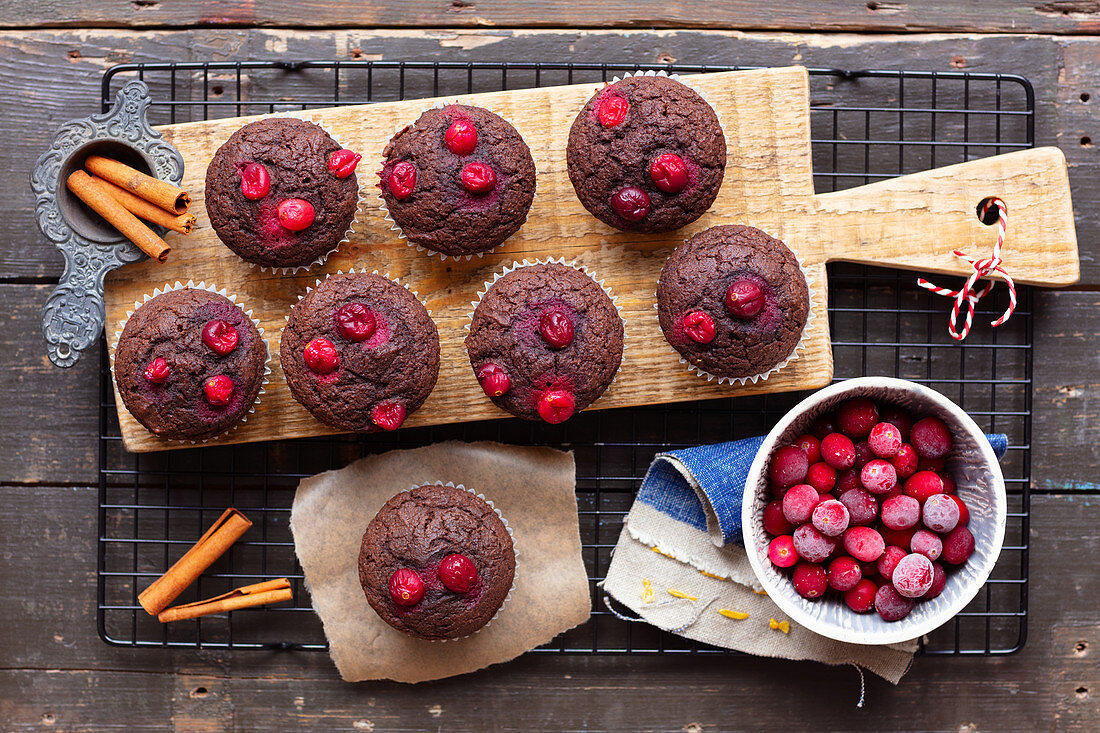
[[912, 222]]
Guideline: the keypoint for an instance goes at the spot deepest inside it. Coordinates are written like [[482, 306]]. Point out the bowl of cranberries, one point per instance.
[[874, 511]]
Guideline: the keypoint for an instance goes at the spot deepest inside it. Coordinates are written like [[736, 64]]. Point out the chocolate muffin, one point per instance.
[[281, 192], [189, 364], [360, 352], [646, 154], [733, 301], [545, 342], [458, 181], [436, 562]]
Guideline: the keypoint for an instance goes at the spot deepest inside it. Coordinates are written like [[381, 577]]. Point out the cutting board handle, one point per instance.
[[914, 222]]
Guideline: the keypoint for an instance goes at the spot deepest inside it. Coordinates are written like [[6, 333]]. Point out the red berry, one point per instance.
[[964, 512], [838, 451], [905, 461], [744, 299], [884, 440], [356, 322], [830, 517], [958, 545], [612, 110], [556, 406], [320, 356], [923, 484], [218, 390], [458, 573], [926, 543], [862, 507], [931, 438], [493, 379], [913, 576], [799, 503], [630, 203], [781, 551], [949, 486], [406, 587], [157, 372], [898, 537], [897, 417], [809, 580], [847, 480], [864, 544], [822, 477], [861, 599], [388, 415], [342, 162], [930, 464], [811, 446], [295, 214], [878, 476], [869, 569], [699, 327], [669, 173], [221, 337], [402, 180], [886, 564], [900, 512], [939, 582], [823, 425], [940, 513], [863, 454], [556, 328], [857, 416], [461, 137], [477, 177], [812, 545], [891, 605], [775, 523], [788, 467], [255, 181], [844, 574]]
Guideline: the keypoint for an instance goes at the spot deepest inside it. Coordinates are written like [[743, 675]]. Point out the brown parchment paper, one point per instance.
[[534, 489]]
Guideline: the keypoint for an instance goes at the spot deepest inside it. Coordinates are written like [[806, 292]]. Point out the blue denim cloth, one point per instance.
[[719, 471]]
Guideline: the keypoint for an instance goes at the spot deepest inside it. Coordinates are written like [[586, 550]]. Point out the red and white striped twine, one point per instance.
[[982, 268]]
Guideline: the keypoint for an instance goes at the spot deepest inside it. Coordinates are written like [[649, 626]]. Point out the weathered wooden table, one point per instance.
[[56, 673]]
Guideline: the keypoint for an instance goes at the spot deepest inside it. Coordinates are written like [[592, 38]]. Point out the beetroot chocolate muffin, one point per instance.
[[646, 154], [733, 301], [458, 181], [360, 352], [281, 192], [545, 342], [436, 562], [189, 364]]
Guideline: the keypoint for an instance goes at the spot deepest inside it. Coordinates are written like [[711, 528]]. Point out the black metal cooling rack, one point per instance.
[[866, 125]]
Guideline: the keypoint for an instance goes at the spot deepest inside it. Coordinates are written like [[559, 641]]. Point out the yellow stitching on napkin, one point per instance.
[[659, 551], [647, 591], [733, 614], [760, 592], [711, 575], [680, 594], [783, 626]]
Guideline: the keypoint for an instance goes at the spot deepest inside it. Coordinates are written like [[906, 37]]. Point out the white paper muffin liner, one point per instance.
[[401, 233], [190, 285]]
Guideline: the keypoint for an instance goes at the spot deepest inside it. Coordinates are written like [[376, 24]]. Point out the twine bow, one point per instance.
[[982, 268]]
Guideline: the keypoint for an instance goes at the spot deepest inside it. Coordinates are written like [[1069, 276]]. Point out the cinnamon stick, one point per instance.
[[214, 542], [269, 591], [155, 191], [142, 209], [95, 195]]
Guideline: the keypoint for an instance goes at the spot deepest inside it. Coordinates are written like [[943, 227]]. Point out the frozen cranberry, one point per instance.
[[844, 574], [913, 576], [402, 180], [864, 544], [388, 415], [905, 461], [218, 390], [898, 537], [775, 523], [931, 437], [342, 163], [612, 110], [923, 484], [221, 337], [493, 379], [669, 173], [461, 137], [856, 417], [699, 327], [556, 406], [630, 203], [900, 512], [939, 582], [776, 490], [823, 425], [869, 569], [891, 556], [295, 214], [891, 605], [878, 476], [830, 517], [255, 181], [556, 328], [788, 467], [811, 446], [838, 451], [477, 177], [958, 545], [406, 587], [930, 464], [355, 322], [812, 545], [157, 371], [863, 454], [809, 580], [744, 299], [822, 477], [940, 513], [862, 507], [458, 573], [964, 512], [897, 417], [884, 440], [926, 543], [799, 503], [781, 551], [848, 480], [320, 356], [949, 486], [861, 599]]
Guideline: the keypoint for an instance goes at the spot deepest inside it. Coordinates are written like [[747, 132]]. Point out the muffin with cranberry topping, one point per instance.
[[437, 562], [545, 342], [360, 352], [733, 301], [458, 181], [281, 192], [646, 154], [189, 364]]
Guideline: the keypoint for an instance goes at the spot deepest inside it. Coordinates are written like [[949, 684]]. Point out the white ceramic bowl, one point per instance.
[[980, 484]]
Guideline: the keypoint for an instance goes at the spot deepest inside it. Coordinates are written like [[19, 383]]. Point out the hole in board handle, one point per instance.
[[991, 215]]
